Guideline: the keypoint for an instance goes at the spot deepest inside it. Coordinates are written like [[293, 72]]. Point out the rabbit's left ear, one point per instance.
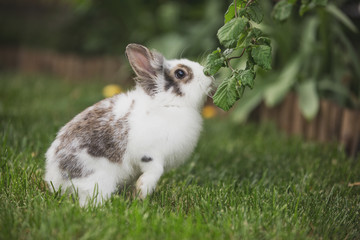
[[146, 64]]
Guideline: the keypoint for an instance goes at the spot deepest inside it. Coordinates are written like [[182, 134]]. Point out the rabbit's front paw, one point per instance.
[[145, 185], [147, 182], [142, 190]]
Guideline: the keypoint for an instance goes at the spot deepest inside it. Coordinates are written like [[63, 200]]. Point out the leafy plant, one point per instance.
[[239, 37], [315, 58], [312, 58]]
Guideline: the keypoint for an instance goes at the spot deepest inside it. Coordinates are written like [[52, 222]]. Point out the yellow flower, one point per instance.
[[209, 111], [111, 90]]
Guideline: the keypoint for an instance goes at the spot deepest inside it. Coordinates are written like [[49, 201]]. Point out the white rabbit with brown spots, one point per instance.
[[134, 136]]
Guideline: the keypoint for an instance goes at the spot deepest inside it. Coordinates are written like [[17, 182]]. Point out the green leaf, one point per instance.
[[262, 56], [240, 89], [242, 38], [226, 95], [250, 64], [277, 90], [337, 13], [246, 78], [264, 41], [308, 99], [251, 37], [254, 12], [255, 37], [230, 13], [214, 62], [282, 10], [229, 33]]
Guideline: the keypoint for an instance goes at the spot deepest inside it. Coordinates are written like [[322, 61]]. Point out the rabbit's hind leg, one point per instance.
[[102, 180], [95, 189]]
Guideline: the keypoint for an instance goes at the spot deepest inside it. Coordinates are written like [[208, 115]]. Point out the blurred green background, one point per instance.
[[106, 27], [315, 55]]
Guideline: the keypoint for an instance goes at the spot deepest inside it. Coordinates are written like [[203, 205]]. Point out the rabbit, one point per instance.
[[133, 136]]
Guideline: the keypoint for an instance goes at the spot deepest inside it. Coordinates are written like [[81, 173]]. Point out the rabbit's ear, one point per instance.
[[146, 64]]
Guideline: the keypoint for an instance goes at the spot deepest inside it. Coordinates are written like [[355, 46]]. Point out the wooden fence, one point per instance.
[[332, 124], [69, 66]]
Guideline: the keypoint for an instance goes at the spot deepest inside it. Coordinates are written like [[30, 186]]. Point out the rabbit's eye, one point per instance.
[[179, 74]]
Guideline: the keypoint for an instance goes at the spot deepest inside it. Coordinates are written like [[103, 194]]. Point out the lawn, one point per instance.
[[242, 182]]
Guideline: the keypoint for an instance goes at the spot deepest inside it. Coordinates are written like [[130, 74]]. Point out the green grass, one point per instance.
[[242, 182]]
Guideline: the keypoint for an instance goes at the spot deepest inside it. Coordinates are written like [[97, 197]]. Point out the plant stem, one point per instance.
[[242, 53], [231, 58], [229, 65]]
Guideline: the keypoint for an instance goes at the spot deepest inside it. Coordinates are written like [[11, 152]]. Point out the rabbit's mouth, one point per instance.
[[210, 89]]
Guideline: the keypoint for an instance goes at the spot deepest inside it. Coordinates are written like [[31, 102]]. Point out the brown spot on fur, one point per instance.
[[97, 131], [71, 167]]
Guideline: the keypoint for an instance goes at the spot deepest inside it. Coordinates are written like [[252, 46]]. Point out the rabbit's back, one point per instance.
[[95, 137]]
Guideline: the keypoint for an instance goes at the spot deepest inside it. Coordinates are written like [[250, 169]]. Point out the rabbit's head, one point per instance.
[[179, 81]]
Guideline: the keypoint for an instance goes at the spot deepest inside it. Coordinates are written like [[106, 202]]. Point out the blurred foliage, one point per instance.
[[107, 26], [313, 55]]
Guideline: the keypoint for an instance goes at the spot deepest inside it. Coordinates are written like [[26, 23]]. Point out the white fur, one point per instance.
[[165, 127]]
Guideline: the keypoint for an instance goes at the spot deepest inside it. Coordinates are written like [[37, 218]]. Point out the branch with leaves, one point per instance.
[[238, 35]]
